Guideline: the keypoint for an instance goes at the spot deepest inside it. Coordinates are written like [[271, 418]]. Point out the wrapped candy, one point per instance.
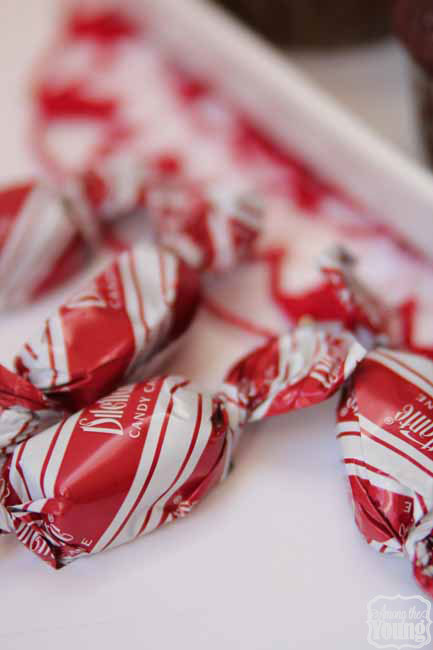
[[340, 298], [43, 240], [294, 371], [149, 452], [211, 226], [137, 307], [385, 418], [385, 426], [46, 231], [132, 311]]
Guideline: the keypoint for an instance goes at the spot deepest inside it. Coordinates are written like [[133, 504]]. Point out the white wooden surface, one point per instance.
[[272, 559]]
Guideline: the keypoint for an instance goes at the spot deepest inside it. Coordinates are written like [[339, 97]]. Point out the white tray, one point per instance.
[[281, 99]]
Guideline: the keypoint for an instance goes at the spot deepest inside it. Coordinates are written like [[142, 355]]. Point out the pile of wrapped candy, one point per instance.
[[97, 448]]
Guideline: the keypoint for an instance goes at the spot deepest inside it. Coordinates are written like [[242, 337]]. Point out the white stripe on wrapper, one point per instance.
[[44, 224], [33, 458], [144, 465], [132, 303], [58, 454], [348, 426], [392, 462], [377, 480], [61, 375], [177, 429], [222, 244], [148, 263], [356, 353], [176, 442], [170, 265]]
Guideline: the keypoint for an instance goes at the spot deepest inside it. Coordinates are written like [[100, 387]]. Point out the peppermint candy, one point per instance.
[[149, 452], [385, 426]]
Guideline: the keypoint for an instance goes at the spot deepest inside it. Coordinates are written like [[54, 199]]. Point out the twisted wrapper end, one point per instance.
[[296, 370], [211, 228], [419, 549], [6, 521]]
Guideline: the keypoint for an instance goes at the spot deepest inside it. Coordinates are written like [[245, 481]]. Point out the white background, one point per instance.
[[272, 559]]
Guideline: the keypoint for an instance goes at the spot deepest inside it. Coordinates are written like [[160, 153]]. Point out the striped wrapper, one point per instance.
[[117, 325], [385, 426], [138, 306], [46, 231], [149, 452]]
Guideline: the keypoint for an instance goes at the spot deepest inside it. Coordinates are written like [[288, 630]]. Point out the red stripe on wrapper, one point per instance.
[[147, 453]]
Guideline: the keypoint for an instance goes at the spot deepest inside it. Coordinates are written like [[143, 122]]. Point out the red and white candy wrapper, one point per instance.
[[24, 410], [129, 313], [141, 303], [45, 232], [211, 230], [149, 452], [211, 226], [44, 237], [341, 299], [121, 321], [295, 371], [385, 426]]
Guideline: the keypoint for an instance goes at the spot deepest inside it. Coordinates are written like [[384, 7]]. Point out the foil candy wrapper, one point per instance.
[[116, 325], [46, 231], [44, 238], [134, 310], [385, 426], [24, 410], [131, 311], [211, 226], [385, 417], [340, 299], [149, 452], [384, 421]]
